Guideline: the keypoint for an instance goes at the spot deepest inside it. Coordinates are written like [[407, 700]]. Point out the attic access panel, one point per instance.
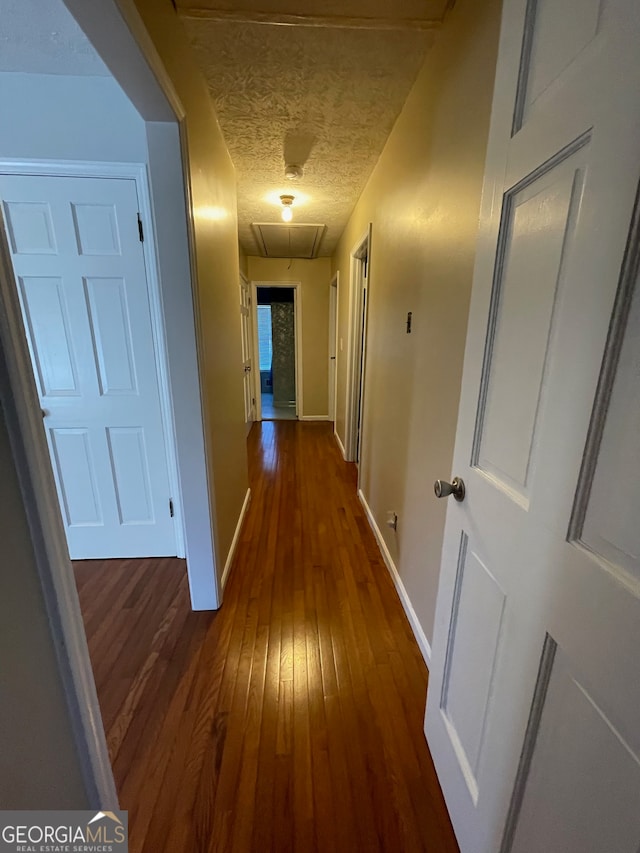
[[295, 240]]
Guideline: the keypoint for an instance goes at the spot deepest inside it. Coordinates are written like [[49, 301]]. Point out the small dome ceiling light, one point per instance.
[[292, 171], [287, 203]]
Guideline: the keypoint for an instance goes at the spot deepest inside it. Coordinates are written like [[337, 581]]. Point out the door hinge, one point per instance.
[[140, 229], [171, 512]]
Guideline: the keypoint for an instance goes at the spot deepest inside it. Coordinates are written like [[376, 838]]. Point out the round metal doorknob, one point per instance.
[[444, 489], [247, 368]]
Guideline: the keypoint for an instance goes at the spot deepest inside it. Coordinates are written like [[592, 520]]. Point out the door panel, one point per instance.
[[534, 687], [108, 313], [536, 229], [571, 739], [96, 227], [610, 527], [82, 284], [555, 35], [476, 623], [129, 463], [30, 228], [47, 321], [76, 476]]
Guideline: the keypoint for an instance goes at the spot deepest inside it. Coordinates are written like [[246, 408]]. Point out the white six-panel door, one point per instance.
[[533, 711], [81, 279]]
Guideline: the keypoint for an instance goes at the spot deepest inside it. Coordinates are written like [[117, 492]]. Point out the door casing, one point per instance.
[[357, 346], [297, 314], [334, 294]]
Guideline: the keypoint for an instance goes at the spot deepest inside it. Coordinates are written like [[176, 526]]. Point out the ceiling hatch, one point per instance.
[[288, 241]]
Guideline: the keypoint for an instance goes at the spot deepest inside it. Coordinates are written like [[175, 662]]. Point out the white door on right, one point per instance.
[[533, 712]]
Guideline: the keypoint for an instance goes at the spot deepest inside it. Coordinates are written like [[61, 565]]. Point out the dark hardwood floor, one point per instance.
[[291, 720]]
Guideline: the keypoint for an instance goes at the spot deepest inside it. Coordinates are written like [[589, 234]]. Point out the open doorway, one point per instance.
[[277, 347]]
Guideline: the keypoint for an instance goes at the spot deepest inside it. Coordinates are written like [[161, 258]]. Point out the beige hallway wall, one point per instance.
[[213, 188], [315, 278], [423, 200]]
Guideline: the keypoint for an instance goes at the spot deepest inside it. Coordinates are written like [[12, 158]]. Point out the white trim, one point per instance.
[[334, 301], [24, 422], [235, 540], [297, 310], [136, 172], [256, 348], [150, 251], [356, 332], [416, 627], [200, 349], [340, 445], [314, 418], [252, 353]]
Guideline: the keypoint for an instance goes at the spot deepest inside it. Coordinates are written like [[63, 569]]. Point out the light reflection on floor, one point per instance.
[[268, 447]]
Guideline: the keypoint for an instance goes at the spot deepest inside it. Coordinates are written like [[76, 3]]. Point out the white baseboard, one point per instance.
[[340, 445], [313, 418], [234, 541], [419, 634]]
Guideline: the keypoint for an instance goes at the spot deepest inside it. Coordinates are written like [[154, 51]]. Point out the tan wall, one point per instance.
[[39, 762], [315, 277], [213, 188], [423, 199]]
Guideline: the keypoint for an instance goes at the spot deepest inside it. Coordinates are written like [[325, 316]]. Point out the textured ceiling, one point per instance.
[[324, 95], [42, 37]]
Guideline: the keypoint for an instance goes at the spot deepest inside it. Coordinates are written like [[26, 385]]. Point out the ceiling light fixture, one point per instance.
[[287, 203]]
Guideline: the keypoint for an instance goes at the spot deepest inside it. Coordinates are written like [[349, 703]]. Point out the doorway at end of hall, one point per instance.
[[277, 352]]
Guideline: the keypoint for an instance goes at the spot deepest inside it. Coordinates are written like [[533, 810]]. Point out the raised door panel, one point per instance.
[[578, 785], [474, 635], [108, 316], [46, 316], [539, 219], [554, 37], [130, 468], [30, 227], [610, 528], [96, 229], [76, 476]]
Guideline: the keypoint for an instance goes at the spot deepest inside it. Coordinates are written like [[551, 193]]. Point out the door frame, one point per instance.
[[250, 343], [357, 332], [334, 301], [136, 172], [297, 325]]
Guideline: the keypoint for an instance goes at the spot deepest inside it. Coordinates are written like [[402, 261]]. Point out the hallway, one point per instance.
[[290, 720]]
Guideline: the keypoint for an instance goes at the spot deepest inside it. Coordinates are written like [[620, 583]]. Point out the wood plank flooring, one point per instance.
[[291, 720]]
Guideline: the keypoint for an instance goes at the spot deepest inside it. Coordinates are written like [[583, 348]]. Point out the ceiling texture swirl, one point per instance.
[[315, 84]]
